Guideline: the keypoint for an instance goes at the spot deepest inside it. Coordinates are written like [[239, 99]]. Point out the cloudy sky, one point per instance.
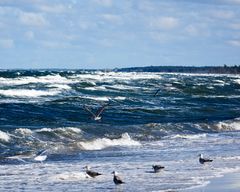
[[118, 33]]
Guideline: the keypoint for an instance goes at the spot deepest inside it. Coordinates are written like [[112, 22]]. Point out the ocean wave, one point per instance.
[[230, 125], [48, 79], [98, 144], [188, 136], [28, 93], [4, 137], [96, 98]]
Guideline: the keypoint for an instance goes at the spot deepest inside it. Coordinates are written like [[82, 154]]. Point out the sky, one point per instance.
[[107, 34]]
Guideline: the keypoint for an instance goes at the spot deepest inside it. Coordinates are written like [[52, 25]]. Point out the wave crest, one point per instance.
[[98, 144]]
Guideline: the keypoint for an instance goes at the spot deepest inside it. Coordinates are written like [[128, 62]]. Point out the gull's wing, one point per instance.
[[101, 109], [156, 92], [87, 109]]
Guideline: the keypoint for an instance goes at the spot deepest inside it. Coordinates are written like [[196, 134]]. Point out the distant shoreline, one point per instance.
[[184, 69], [155, 69]]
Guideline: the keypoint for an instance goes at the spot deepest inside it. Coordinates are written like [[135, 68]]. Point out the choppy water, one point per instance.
[[190, 114]]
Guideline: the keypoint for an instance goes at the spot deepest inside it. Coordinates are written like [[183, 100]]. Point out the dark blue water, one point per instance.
[[46, 110]]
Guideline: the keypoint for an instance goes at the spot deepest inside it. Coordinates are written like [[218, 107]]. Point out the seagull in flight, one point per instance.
[[96, 116], [116, 179], [156, 93], [203, 160]]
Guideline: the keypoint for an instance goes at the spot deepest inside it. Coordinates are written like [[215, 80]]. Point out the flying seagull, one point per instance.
[[91, 173], [156, 93], [96, 116], [41, 156], [203, 160], [116, 179], [157, 168]]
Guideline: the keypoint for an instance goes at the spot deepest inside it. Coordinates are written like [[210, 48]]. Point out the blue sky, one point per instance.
[[118, 33]]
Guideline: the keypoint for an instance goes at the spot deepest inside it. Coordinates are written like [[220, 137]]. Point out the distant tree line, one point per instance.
[[185, 69]]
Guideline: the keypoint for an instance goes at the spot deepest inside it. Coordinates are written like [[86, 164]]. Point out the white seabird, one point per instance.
[[203, 160], [116, 179], [41, 156]]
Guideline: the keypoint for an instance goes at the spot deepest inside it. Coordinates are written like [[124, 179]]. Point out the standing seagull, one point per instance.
[[96, 116], [157, 168], [203, 160], [116, 179], [91, 173], [41, 156]]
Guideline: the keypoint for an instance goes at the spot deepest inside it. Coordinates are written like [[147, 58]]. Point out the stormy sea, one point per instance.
[[116, 121]]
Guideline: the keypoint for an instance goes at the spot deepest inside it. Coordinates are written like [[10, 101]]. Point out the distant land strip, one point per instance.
[[184, 69]]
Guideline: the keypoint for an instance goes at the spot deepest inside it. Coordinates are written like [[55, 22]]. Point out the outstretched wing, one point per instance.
[[99, 112], [156, 92], [88, 110]]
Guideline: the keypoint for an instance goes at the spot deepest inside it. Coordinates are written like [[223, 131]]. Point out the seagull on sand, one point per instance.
[[116, 179], [96, 116], [41, 156], [157, 168], [203, 160], [91, 173]]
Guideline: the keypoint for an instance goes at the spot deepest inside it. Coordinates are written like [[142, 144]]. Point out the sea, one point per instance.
[[145, 119]]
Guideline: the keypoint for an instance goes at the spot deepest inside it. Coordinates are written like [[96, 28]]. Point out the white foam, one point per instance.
[[27, 93], [237, 81], [96, 98], [229, 125], [189, 136], [49, 79], [4, 137], [102, 143], [23, 131], [69, 176], [120, 98], [60, 86]]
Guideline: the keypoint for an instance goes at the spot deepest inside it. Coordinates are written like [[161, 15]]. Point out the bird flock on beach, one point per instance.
[[156, 169]]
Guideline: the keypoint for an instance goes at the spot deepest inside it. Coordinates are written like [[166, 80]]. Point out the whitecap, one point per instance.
[[98, 144], [229, 125], [4, 137], [27, 93]]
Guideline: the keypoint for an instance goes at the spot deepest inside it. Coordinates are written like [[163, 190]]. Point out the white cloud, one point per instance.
[[221, 14], [105, 3], [53, 8], [112, 18], [6, 43], [166, 23], [29, 35], [234, 43], [55, 44], [159, 37], [32, 19], [235, 26], [232, 1], [197, 29]]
